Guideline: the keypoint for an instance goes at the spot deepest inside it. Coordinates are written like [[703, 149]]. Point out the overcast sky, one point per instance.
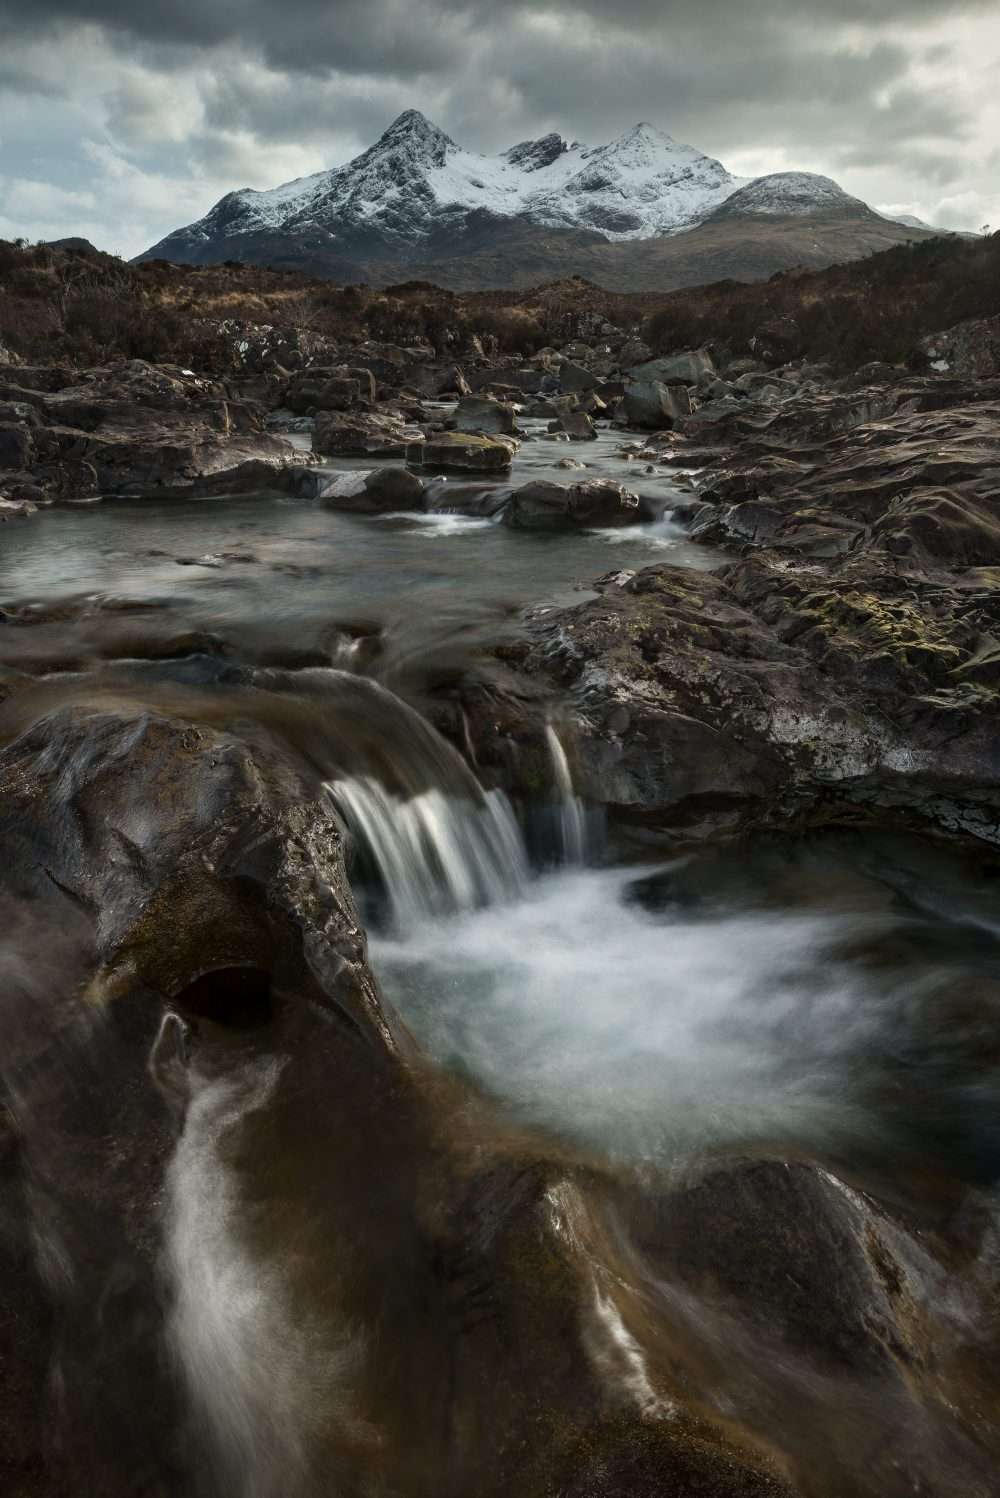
[[123, 119]]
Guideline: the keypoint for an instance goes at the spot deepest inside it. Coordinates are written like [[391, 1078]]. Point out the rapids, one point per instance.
[[828, 1001]]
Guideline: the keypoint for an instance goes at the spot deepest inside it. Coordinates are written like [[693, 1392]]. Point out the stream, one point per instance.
[[832, 998]]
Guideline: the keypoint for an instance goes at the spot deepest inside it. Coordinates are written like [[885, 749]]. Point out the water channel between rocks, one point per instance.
[[784, 998], [623, 1144]]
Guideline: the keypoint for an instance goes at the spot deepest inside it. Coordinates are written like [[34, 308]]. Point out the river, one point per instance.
[[831, 998]]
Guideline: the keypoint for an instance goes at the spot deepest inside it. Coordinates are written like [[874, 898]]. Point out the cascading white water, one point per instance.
[[263, 1384], [436, 854], [648, 1036], [572, 815]]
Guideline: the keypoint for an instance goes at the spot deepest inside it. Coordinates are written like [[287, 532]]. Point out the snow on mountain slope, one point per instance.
[[415, 192], [415, 176], [789, 195]]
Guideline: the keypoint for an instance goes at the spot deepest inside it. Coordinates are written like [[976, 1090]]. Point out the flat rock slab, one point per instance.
[[462, 450]]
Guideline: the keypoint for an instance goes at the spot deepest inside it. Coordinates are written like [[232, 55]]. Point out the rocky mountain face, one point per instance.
[[417, 203]]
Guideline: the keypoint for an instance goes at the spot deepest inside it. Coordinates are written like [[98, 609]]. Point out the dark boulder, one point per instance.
[[17, 450], [693, 367], [374, 491], [653, 406], [487, 417], [463, 451], [574, 379], [576, 424], [363, 434], [546, 506]]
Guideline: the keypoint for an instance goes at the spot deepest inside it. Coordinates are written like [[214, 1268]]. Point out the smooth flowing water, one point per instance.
[[833, 999], [642, 1027], [278, 579]]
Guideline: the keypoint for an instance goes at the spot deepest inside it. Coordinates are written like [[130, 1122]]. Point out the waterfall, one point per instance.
[[434, 853], [571, 815], [256, 1381]]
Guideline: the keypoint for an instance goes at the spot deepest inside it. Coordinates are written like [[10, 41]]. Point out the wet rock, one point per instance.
[[374, 491], [363, 434], [575, 379], [554, 507], [759, 696], [577, 425], [486, 417], [192, 890], [16, 447], [480, 498], [693, 367], [15, 509], [131, 427], [652, 406], [459, 450], [330, 389]]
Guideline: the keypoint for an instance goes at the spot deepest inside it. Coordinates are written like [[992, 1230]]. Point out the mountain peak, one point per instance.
[[414, 131], [416, 194], [532, 155], [788, 195], [644, 133]]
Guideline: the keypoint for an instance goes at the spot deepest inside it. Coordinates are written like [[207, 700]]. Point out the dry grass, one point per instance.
[[82, 308], [877, 308]]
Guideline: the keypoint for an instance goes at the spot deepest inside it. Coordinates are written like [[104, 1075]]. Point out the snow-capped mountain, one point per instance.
[[415, 197], [789, 195], [415, 178]]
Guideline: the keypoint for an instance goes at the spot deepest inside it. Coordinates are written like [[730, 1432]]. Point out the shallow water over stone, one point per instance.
[[283, 578], [647, 1178]]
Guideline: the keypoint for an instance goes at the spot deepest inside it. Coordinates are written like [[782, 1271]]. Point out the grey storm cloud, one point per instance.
[[410, 37], [214, 94]]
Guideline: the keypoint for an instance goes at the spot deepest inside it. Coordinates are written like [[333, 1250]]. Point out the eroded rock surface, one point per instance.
[[128, 428], [844, 667]]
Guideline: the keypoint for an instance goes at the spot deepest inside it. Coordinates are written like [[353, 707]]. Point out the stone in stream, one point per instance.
[[444, 496], [577, 426], [325, 390], [693, 367], [363, 434], [573, 378], [546, 506], [463, 451], [653, 406], [479, 414], [374, 491]]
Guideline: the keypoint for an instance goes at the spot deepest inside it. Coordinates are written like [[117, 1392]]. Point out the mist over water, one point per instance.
[[643, 1036]]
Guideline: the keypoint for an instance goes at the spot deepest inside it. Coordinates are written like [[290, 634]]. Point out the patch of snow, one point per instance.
[[788, 194]]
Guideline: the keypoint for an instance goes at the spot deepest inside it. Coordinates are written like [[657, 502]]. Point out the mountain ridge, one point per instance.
[[415, 197]]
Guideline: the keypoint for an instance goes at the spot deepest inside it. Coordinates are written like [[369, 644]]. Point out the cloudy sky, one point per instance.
[[123, 119]]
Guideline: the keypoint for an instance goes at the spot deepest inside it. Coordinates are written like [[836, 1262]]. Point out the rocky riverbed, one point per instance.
[[500, 882]]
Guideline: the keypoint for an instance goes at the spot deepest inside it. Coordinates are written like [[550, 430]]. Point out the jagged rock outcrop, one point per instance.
[[129, 428], [844, 669]]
